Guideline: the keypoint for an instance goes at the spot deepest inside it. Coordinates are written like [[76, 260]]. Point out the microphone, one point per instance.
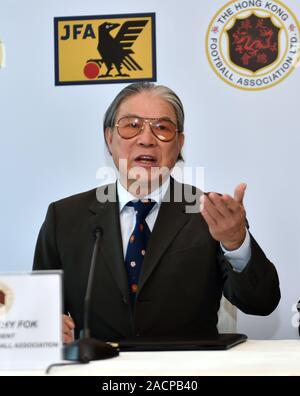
[[86, 348]]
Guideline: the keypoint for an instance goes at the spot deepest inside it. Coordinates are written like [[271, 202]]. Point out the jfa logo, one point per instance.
[[105, 49]]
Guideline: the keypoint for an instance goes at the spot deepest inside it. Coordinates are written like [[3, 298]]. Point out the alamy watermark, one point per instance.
[[140, 181]]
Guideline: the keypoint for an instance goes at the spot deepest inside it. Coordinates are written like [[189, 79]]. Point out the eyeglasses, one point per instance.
[[163, 129]]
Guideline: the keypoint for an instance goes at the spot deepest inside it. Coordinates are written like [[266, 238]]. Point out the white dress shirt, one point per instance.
[[238, 258]]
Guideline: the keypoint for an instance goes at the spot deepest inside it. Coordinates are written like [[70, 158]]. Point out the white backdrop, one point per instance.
[[52, 145]]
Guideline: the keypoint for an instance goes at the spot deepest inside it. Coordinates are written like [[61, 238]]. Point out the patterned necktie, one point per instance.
[[137, 244]]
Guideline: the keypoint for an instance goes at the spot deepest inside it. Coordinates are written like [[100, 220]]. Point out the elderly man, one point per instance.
[[161, 269]]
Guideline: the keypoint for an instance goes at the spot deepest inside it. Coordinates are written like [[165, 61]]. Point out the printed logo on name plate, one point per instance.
[[105, 49], [6, 298], [253, 44], [2, 55]]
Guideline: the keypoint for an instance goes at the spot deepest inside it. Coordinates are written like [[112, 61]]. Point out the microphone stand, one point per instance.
[[86, 348]]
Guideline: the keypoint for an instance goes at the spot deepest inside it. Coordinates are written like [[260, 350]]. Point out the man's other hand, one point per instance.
[[226, 217], [68, 329]]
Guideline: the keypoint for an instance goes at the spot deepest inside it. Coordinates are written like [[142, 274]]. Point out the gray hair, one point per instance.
[[162, 91]]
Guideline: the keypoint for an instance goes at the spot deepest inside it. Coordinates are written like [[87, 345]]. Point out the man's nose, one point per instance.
[[146, 137]]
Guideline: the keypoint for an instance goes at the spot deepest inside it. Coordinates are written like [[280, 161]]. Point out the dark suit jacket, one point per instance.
[[182, 279]]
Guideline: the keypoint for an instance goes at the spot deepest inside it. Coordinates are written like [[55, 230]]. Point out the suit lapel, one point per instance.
[[105, 215], [170, 220]]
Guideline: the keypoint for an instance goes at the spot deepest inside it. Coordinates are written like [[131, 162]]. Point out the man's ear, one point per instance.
[[181, 139], [108, 138]]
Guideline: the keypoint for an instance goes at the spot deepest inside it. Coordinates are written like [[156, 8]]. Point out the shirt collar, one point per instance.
[[156, 195]]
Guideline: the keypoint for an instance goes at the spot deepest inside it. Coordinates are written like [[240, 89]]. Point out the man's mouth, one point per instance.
[[146, 160]]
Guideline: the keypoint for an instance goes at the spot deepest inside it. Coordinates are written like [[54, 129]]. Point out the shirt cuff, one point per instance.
[[240, 257]]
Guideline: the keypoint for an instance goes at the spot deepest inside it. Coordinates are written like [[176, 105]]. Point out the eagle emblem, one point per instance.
[[116, 53]]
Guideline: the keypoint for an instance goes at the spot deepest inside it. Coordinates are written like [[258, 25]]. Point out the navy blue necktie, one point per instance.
[[137, 244]]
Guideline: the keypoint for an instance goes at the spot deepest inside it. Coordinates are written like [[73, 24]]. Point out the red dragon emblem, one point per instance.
[[253, 42], [2, 298]]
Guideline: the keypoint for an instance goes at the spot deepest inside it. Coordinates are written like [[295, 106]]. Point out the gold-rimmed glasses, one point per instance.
[[162, 128]]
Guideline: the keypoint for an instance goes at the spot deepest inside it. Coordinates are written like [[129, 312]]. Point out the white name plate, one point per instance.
[[30, 320]]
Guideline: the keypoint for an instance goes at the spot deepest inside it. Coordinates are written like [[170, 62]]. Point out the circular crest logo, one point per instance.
[[253, 44], [6, 298]]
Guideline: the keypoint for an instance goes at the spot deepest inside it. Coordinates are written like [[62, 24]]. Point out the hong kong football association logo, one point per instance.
[[253, 44], [6, 298]]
